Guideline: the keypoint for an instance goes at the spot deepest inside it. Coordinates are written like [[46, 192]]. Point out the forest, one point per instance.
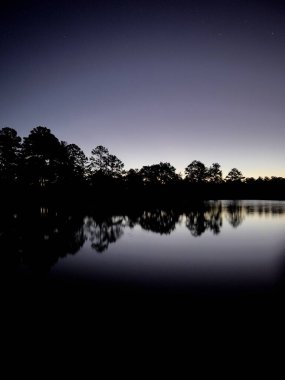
[[40, 166]]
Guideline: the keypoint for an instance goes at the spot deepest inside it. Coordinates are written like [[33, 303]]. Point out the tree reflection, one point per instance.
[[159, 221], [102, 231], [235, 213], [265, 209], [36, 238], [209, 216]]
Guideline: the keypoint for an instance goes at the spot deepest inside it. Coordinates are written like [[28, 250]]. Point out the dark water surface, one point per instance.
[[214, 260], [228, 246]]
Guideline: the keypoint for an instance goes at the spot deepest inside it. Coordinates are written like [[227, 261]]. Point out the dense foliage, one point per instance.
[[42, 161]]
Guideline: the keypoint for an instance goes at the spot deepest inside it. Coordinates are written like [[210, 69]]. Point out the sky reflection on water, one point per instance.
[[228, 244]]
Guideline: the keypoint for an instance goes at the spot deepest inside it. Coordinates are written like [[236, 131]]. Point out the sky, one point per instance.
[[171, 81]]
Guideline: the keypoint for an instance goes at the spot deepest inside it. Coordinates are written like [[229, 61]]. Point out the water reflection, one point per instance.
[[103, 231], [264, 209], [235, 213], [159, 221], [207, 217], [37, 238]]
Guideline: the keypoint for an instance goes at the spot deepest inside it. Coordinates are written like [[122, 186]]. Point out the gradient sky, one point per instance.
[[152, 81]]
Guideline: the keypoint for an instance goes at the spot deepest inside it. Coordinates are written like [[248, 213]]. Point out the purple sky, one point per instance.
[[152, 81]]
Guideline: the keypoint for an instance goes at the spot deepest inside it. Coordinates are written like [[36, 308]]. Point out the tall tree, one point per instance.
[[234, 175], [161, 173], [115, 166], [10, 144], [196, 172], [105, 164], [42, 157], [75, 163], [215, 174]]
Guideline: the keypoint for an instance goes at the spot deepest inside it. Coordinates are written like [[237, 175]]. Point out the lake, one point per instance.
[[229, 247], [217, 266], [223, 245]]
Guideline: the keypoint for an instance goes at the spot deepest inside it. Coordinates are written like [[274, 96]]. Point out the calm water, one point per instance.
[[233, 246], [210, 278], [213, 273], [223, 244]]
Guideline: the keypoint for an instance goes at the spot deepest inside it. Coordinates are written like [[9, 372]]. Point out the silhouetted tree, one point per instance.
[[196, 172], [98, 160], [42, 160], [214, 174], [162, 173], [10, 144], [277, 180], [103, 163], [250, 180], [42, 157], [115, 166], [234, 176], [74, 164]]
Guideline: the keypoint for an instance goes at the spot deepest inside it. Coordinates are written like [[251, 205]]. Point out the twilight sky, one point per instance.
[[151, 80]]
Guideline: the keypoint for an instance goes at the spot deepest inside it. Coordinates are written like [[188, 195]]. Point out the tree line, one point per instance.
[[41, 160]]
